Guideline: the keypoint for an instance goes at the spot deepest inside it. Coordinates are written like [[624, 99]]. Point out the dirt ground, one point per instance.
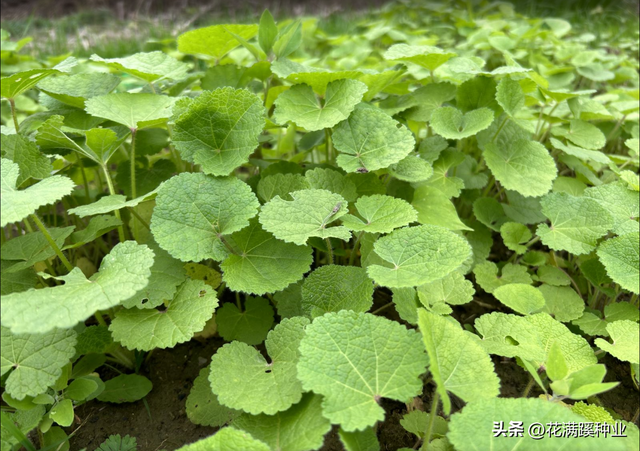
[[165, 425]]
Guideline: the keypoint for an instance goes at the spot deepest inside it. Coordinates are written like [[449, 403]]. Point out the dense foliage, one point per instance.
[[270, 183]]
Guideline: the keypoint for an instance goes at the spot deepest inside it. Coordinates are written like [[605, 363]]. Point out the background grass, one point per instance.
[[111, 31]]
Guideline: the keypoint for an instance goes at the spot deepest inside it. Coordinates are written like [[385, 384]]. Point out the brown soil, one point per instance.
[[165, 425]]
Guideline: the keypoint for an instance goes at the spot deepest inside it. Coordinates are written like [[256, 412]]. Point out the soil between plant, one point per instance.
[[172, 371]]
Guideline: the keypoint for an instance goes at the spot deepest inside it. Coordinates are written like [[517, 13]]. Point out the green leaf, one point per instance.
[[186, 314], [582, 134], [457, 362], [526, 210], [510, 96], [193, 211], [150, 66], [380, 214], [249, 326], [75, 89], [94, 339], [166, 274], [523, 166], [17, 205], [31, 163], [307, 215], [32, 248], [425, 100], [450, 123], [281, 185], [622, 203], [620, 257], [580, 153], [592, 412], [202, 405], [317, 78], [417, 421], [52, 135], [289, 40], [300, 105], [411, 169], [531, 337], [626, 338], [483, 416], [563, 303], [365, 440], [556, 365], [62, 413], [332, 288], [36, 360], [435, 208], [418, 255], [289, 301], [123, 272], [335, 357], [136, 111], [148, 178], [452, 289], [214, 41], [331, 180], [80, 389], [107, 204], [515, 235], [125, 388], [243, 379], [267, 31], [301, 427], [479, 92], [20, 82], [369, 140], [576, 223], [16, 281], [263, 264], [487, 275], [520, 297], [98, 226], [117, 443], [423, 55], [219, 129], [227, 439]]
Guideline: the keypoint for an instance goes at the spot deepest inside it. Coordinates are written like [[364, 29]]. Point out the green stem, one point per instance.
[[327, 136], [84, 179], [112, 191], [100, 319], [506, 118], [139, 218], [238, 302], [528, 388], [329, 250], [432, 420], [354, 251], [133, 162], [52, 242], [13, 114], [382, 308], [121, 357]]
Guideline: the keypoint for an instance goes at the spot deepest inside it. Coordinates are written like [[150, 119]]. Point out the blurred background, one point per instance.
[[114, 28]]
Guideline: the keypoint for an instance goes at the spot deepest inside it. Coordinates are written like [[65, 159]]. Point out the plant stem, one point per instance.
[[139, 218], [100, 319], [329, 250], [13, 114], [238, 302], [112, 191], [327, 137], [432, 420], [382, 308], [133, 162], [84, 179], [52, 242], [354, 251], [528, 388]]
